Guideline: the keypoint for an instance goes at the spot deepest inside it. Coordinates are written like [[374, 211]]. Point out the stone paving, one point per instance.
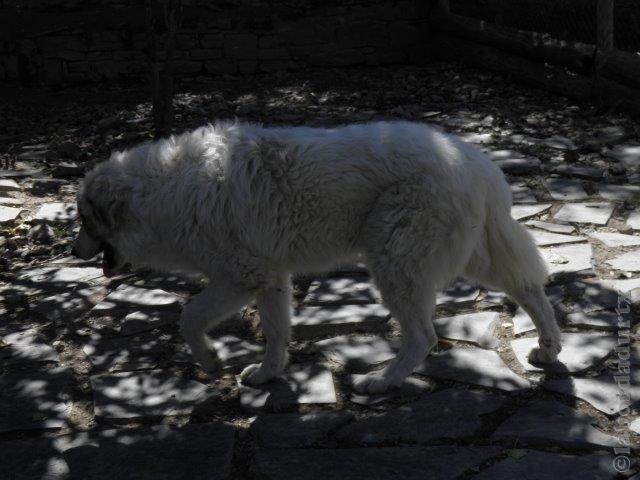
[[97, 383]]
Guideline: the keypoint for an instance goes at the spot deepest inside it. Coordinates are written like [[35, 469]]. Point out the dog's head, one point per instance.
[[102, 207]]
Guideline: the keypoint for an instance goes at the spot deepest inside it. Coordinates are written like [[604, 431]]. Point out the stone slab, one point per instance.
[[588, 173], [296, 430], [302, 384], [309, 322], [409, 390], [522, 212], [594, 295], [521, 193], [473, 365], [450, 414], [35, 399], [8, 185], [137, 352], [149, 393], [478, 328], [141, 321], [357, 351], [566, 259], [71, 303], [459, 293], [387, 463], [519, 166], [565, 189], [580, 351], [616, 239], [62, 275], [552, 423], [634, 220], [602, 392], [545, 239], [619, 193], [234, 351], [627, 154], [196, 452], [10, 201], [593, 212], [551, 466], [551, 227], [26, 346], [9, 214], [600, 319], [522, 322], [628, 262], [340, 291], [131, 297], [56, 212]]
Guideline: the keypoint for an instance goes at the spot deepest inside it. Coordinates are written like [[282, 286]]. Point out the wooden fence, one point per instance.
[[583, 71]]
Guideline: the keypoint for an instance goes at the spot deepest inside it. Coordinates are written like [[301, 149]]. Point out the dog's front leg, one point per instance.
[[217, 302], [274, 305]]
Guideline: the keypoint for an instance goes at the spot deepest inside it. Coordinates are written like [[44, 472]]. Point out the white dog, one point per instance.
[[247, 205]]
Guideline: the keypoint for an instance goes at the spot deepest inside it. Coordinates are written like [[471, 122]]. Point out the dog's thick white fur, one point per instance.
[[248, 205]]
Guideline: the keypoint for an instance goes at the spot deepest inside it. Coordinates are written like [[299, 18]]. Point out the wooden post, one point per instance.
[[443, 6], [605, 25]]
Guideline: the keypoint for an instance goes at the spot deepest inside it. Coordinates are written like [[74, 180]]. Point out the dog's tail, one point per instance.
[[513, 254]]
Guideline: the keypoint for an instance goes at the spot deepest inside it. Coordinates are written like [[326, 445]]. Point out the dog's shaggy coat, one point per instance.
[[248, 205]]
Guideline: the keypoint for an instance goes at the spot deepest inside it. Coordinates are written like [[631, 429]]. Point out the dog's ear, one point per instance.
[[109, 214], [107, 195]]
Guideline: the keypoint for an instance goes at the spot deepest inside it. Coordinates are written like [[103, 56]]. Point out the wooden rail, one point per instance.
[[573, 69]]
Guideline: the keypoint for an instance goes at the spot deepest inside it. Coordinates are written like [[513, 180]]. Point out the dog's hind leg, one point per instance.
[[508, 259], [412, 305], [217, 302], [274, 305]]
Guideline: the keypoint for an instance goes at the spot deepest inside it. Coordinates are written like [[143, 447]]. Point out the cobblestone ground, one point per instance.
[[96, 382]]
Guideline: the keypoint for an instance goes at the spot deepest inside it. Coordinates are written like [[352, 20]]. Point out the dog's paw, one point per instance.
[[210, 364], [256, 374], [541, 355], [374, 382]]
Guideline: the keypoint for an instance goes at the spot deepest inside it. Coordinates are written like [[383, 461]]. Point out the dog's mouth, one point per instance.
[[109, 262]]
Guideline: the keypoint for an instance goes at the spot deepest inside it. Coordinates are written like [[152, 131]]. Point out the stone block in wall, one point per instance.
[[241, 46], [51, 71], [413, 10], [301, 32], [10, 64], [279, 53], [338, 58], [270, 41], [385, 57], [212, 40], [78, 67], [140, 41], [303, 52], [55, 43], [402, 34], [247, 66], [97, 57], [205, 53], [126, 55], [272, 66], [109, 69], [69, 55], [362, 33], [108, 40], [187, 67], [186, 41], [220, 67]]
